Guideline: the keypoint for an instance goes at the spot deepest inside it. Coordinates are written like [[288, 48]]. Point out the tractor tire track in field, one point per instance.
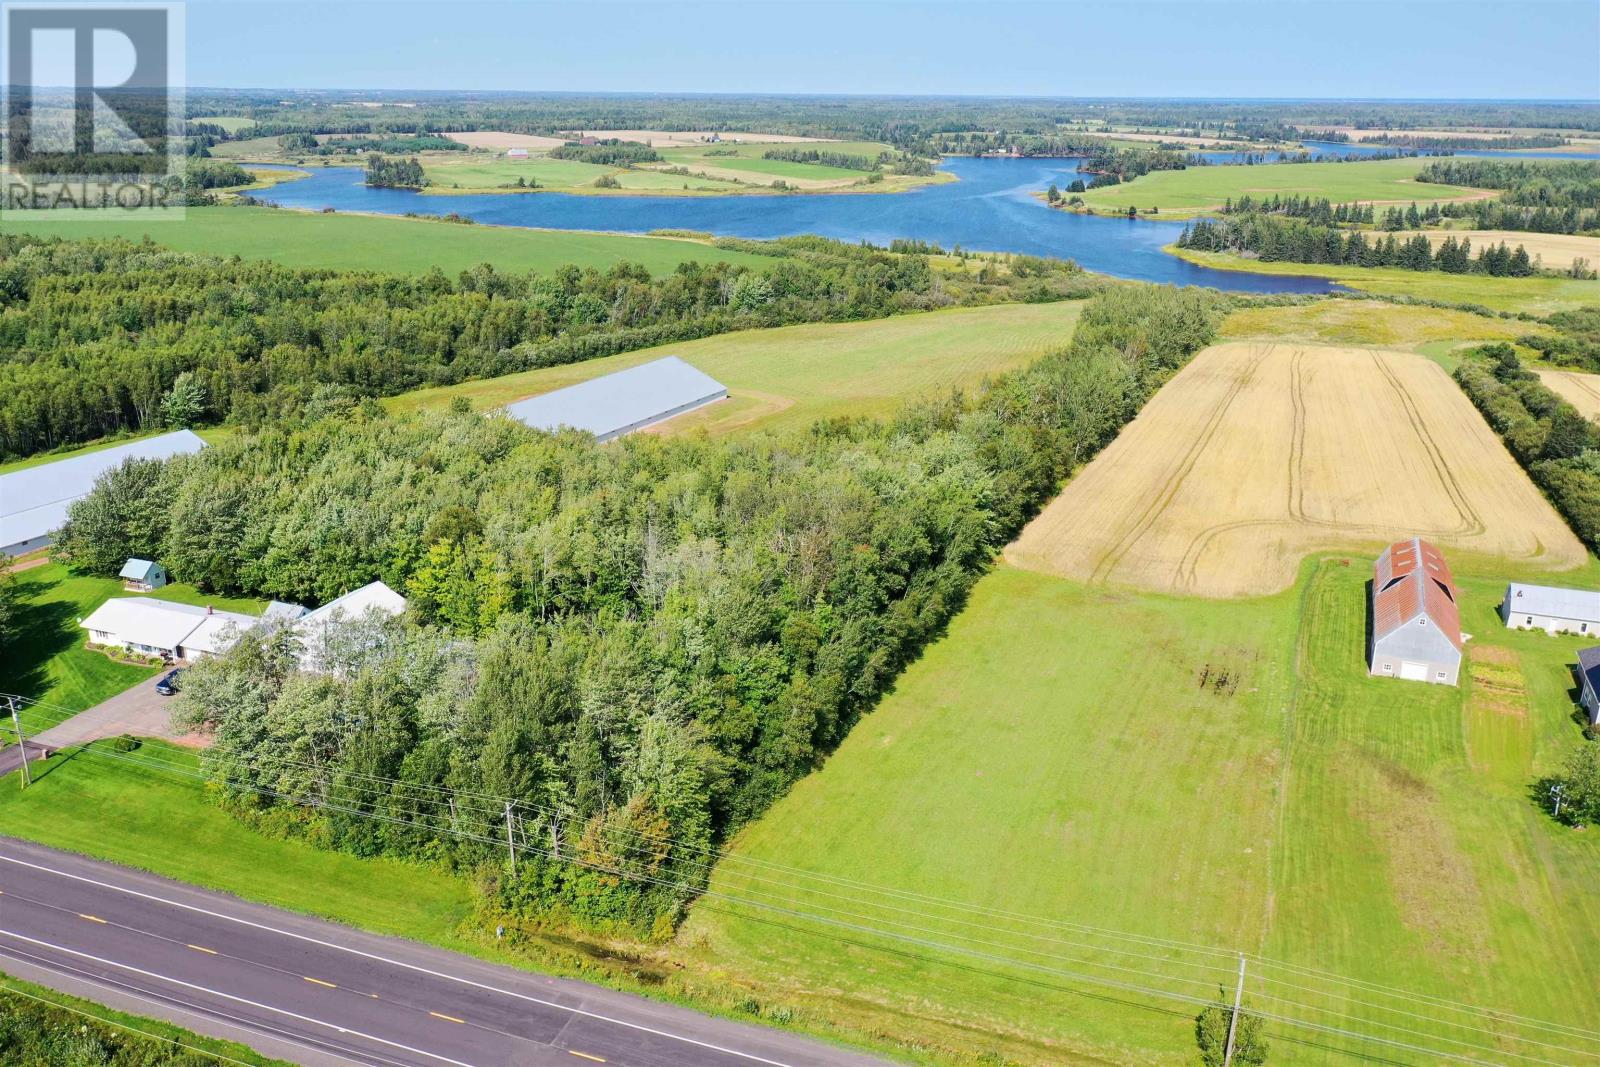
[[1152, 511], [1472, 523]]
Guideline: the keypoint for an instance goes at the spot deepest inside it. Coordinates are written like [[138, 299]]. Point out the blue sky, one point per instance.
[[1230, 48]]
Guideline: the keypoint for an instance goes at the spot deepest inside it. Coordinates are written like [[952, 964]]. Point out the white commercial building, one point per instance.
[[34, 500], [1551, 608], [620, 403]]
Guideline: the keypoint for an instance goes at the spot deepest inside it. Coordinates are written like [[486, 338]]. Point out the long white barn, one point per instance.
[[620, 403], [34, 501]]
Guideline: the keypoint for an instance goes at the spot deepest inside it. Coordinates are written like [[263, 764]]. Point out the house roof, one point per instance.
[[137, 569], [34, 501], [1582, 605], [354, 604], [1589, 666], [627, 400], [1411, 579], [281, 611], [164, 624]]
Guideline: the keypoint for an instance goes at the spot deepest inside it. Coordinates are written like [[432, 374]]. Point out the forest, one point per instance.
[[641, 644], [94, 334], [608, 153], [1545, 197], [1271, 237]]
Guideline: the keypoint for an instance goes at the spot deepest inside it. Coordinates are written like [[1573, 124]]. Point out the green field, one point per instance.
[[1067, 753], [231, 123], [367, 242], [1200, 189], [452, 170], [796, 374], [50, 661], [1538, 296]]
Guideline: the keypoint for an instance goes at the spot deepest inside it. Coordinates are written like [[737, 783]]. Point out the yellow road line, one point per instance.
[[585, 1055], [92, 918], [202, 948], [446, 1018], [318, 981]]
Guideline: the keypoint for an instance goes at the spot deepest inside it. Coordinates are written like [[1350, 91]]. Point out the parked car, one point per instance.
[[168, 684]]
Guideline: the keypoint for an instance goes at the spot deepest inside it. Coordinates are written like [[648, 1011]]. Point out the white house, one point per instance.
[[1589, 682], [312, 628], [1551, 608], [141, 576], [163, 628]]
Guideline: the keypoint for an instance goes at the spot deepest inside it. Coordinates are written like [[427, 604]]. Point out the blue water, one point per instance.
[[992, 208]]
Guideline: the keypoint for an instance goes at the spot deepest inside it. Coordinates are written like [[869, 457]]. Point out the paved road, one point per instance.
[[322, 994]]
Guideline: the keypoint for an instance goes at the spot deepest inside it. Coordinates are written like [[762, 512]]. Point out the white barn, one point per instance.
[[1416, 620], [620, 403], [1551, 609], [34, 500]]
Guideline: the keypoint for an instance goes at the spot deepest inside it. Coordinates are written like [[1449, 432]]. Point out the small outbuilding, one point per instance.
[[516, 153], [1551, 609], [1416, 621], [142, 575], [1589, 682]]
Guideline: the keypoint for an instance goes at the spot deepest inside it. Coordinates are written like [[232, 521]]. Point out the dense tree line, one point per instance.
[[1318, 211], [643, 643], [384, 172], [1576, 341], [608, 153], [1559, 447], [1272, 238], [822, 158], [1558, 196], [94, 334]]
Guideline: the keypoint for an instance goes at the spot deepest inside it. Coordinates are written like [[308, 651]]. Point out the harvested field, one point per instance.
[[685, 138], [1580, 390], [1553, 251], [498, 141], [1258, 454]]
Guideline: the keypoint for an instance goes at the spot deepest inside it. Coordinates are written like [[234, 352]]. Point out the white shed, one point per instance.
[[1551, 609]]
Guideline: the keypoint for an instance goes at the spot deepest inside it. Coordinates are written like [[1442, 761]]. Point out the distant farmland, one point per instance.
[[1258, 454], [1582, 391]]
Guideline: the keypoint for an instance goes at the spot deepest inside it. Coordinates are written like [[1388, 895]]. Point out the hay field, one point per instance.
[[1258, 454], [1580, 390], [686, 138], [1553, 251], [499, 141]]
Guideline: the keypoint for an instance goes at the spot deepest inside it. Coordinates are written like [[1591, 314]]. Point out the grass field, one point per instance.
[[1067, 763], [1200, 189], [796, 374], [1580, 390], [365, 242], [50, 662], [1538, 296], [231, 123], [1259, 453], [1367, 322]]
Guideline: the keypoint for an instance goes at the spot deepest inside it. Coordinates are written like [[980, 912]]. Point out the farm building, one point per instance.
[[163, 628], [1551, 608], [516, 153], [1416, 623], [141, 576], [620, 403], [34, 501], [1589, 682], [312, 627]]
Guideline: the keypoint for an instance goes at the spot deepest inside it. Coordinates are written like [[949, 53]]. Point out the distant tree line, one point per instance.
[[1556, 196], [642, 643], [1272, 238], [822, 158], [93, 335], [1559, 448], [608, 153], [384, 172], [1317, 211]]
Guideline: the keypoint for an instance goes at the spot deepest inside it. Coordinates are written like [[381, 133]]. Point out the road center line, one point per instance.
[[402, 964]]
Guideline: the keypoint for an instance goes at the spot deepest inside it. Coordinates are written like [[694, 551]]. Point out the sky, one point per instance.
[[1430, 49]]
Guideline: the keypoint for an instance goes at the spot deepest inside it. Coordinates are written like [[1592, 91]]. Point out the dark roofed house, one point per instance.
[[1416, 622], [1589, 682]]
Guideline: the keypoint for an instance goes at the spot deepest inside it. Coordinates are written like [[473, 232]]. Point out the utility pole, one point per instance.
[[511, 845], [1233, 1020], [22, 742]]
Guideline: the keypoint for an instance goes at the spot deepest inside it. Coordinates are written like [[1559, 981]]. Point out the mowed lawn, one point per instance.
[[1216, 773], [365, 242], [50, 660], [795, 374], [1198, 189]]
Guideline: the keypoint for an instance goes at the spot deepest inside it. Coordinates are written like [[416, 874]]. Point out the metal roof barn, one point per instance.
[[1416, 620], [34, 501], [620, 403]]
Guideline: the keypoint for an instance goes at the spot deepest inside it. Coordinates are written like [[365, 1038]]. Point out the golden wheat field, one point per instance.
[[1259, 453], [1582, 391], [1552, 251]]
